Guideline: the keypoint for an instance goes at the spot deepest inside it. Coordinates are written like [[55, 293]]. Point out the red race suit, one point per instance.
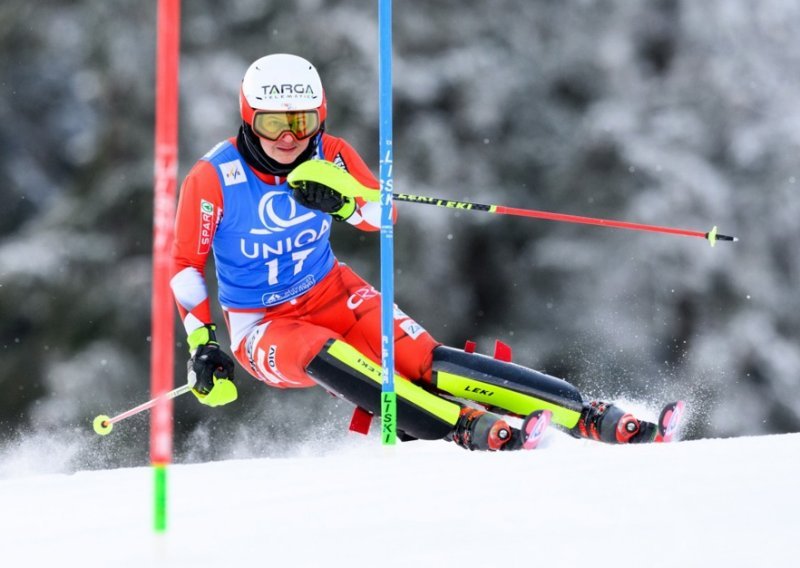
[[282, 291]]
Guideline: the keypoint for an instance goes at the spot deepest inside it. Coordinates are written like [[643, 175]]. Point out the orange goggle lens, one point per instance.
[[301, 123]]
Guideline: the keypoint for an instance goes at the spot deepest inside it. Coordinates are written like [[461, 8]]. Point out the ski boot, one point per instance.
[[480, 430], [607, 423]]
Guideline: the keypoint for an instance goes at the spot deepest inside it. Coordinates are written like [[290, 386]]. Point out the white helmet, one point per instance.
[[281, 82]]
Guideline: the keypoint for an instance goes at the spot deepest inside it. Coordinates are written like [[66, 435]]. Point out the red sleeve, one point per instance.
[[367, 214], [198, 214]]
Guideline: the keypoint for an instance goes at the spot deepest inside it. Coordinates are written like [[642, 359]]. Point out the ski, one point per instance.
[[669, 422]]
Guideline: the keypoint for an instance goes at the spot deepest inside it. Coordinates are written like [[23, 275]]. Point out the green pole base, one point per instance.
[[159, 498], [388, 418]]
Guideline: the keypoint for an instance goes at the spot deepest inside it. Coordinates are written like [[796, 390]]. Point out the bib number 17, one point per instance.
[[298, 258]]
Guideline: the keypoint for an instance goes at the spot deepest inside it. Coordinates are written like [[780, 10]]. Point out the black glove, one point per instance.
[[323, 198], [212, 368], [210, 362]]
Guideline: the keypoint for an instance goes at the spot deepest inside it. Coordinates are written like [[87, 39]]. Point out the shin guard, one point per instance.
[[343, 370], [504, 385]]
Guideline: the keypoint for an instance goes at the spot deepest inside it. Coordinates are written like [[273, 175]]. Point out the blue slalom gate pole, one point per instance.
[[388, 395]]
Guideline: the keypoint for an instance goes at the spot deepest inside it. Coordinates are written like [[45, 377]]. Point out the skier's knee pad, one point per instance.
[[343, 370], [499, 384]]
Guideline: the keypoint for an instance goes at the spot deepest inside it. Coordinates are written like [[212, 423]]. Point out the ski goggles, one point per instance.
[[271, 124]]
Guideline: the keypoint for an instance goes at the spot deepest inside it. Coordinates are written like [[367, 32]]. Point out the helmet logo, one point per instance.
[[288, 90]]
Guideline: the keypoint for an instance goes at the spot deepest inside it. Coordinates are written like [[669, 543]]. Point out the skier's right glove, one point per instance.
[[210, 368], [323, 198]]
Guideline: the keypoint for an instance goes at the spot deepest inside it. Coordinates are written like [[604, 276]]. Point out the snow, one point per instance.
[[716, 502]]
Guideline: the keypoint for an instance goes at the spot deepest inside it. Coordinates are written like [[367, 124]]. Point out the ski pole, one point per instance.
[[330, 174], [103, 424], [711, 236]]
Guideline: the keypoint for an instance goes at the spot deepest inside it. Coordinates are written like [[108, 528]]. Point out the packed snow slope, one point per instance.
[[724, 502]]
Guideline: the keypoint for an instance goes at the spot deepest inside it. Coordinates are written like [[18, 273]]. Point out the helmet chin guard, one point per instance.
[[281, 82]]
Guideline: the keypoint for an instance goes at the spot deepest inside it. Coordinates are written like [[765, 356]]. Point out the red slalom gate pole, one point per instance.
[[162, 308]]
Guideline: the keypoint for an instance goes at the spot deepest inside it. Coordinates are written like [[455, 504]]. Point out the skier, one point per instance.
[[297, 317]]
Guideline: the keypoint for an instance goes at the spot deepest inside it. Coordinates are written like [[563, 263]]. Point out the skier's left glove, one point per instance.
[[326, 199], [210, 368]]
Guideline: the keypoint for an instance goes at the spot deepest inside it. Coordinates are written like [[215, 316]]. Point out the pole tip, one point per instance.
[[712, 236], [102, 425]]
